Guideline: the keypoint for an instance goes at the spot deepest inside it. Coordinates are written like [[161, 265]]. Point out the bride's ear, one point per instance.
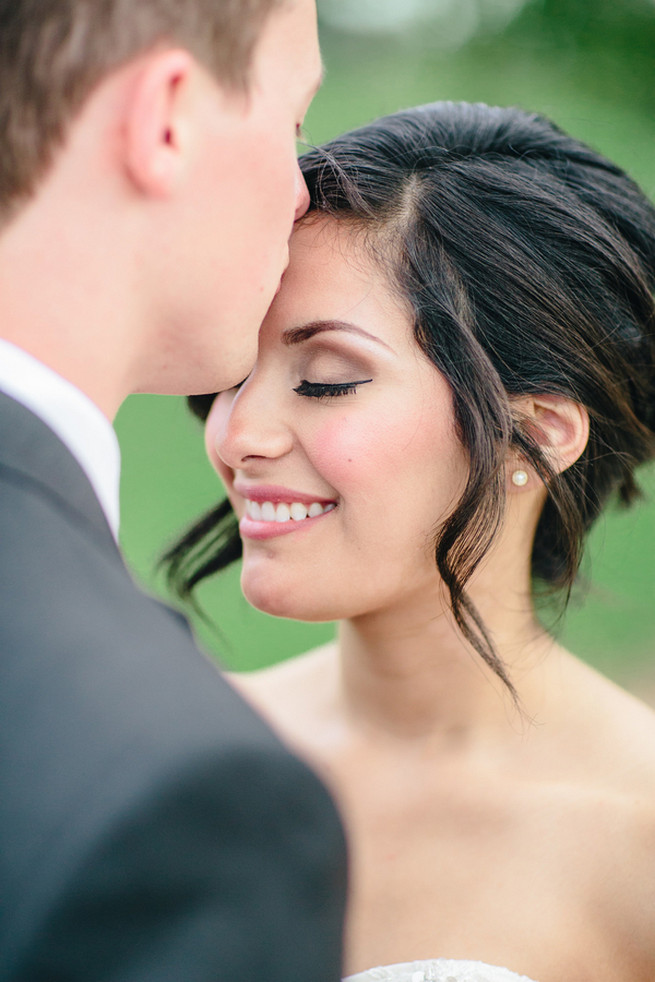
[[558, 425]]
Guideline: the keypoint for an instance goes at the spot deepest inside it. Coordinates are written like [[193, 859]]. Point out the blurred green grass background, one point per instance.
[[590, 67]]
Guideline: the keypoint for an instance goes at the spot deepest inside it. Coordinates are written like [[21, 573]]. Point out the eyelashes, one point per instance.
[[320, 390], [327, 390]]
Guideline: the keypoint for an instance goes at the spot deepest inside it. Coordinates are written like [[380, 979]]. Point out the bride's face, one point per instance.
[[339, 451]]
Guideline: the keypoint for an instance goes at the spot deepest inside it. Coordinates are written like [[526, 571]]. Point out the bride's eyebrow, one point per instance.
[[296, 335]]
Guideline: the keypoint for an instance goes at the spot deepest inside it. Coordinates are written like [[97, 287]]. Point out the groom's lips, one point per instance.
[[256, 528]]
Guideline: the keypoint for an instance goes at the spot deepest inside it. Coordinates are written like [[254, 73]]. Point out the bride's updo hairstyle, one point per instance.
[[528, 261]]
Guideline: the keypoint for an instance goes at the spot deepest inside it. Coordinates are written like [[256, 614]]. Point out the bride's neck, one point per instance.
[[409, 671]]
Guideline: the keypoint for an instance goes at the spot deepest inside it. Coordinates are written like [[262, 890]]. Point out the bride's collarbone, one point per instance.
[[472, 910], [447, 869]]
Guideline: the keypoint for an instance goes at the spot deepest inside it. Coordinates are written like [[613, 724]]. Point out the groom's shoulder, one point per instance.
[[77, 634], [106, 703], [92, 669], [70, 612]]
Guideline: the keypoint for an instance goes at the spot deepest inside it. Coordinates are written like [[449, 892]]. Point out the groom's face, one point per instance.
[[247, 192]]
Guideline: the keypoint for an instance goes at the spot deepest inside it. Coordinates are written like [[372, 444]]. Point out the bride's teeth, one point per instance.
[[254, 510], [283, 512], [268, 511]]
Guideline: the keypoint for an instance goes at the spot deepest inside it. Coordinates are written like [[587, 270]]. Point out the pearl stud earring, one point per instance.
[[520, 478]]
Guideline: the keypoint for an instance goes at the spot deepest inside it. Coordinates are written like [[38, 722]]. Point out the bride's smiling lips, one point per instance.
[[271, 510]]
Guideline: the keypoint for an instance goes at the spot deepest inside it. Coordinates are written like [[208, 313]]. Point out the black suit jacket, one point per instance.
[[151, 826]]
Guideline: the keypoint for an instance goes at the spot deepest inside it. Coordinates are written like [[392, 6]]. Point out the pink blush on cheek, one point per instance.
[[337, 446], [348, 443]]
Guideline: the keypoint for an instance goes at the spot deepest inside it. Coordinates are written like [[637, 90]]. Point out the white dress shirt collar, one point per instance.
[[75, 419]]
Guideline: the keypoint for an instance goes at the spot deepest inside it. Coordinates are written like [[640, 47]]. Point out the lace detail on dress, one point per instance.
[[438, 970]]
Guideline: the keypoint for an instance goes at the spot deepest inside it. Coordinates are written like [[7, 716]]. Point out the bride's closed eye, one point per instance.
[[323, 390]]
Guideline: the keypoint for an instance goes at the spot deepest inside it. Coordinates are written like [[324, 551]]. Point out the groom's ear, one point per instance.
[[156, 126]]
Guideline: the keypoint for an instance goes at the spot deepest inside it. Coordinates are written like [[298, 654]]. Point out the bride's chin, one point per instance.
[[284, 603]]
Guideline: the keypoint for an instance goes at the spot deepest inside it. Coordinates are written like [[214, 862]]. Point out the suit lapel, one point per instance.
[[30, 449]]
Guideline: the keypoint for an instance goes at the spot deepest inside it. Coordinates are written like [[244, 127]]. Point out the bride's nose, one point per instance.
[[253, 427]]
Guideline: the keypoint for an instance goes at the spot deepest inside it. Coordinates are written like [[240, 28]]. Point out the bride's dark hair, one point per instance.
[[529, 262]]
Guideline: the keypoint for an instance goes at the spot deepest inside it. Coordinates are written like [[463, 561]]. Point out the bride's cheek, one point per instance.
[[346, 448], [337, 447]]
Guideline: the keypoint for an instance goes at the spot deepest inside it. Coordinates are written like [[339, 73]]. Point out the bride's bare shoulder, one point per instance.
[[628, 745], [294, 691], [608, 735]]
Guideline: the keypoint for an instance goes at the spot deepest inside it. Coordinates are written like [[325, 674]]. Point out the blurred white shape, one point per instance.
[[371, 16], [451, 22]]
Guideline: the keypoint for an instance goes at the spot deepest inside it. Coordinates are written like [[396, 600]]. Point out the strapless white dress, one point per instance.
[[438, 970]]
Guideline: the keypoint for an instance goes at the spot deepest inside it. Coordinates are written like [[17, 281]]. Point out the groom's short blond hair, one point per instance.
[[54, 52]]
